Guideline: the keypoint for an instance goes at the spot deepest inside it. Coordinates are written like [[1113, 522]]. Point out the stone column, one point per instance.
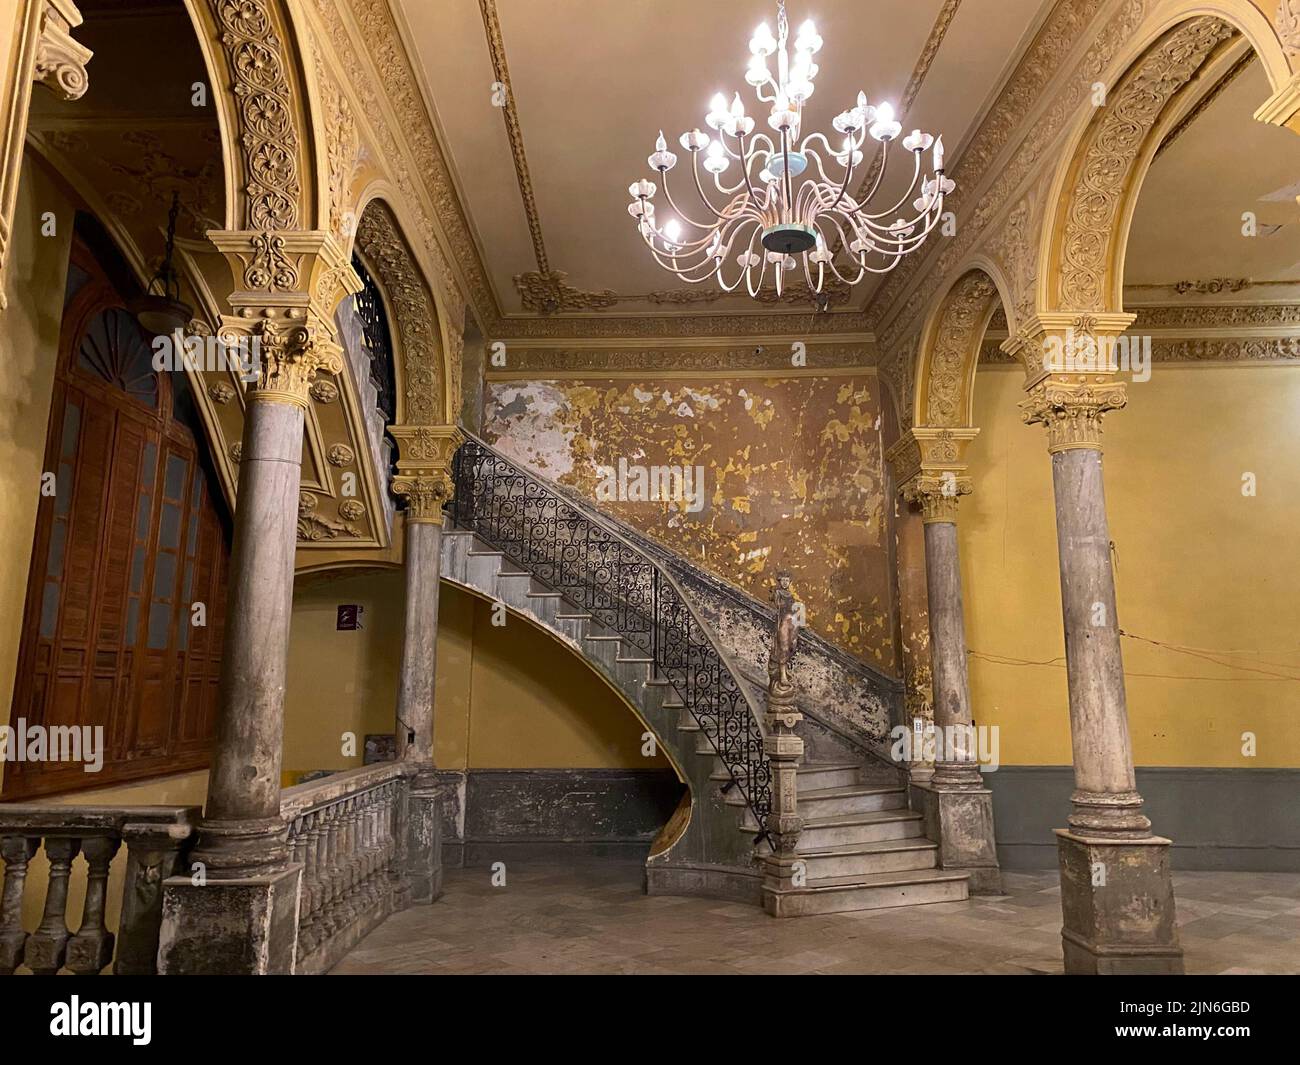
[[913, 621], [1116, 894], [241, 831], [234, 908], [424, 481], [958, 808]]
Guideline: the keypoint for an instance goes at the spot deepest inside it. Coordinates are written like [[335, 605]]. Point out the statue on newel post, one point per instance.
[[783, 871]]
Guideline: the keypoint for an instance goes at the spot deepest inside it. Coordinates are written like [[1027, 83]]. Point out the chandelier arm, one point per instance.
[[672, 267], [728, 190], [663, 180], [862, 272], [916, 173], [843, 239], [880, 176], [745, 158], [744, 273], [821, 169], [807, 275], [916, 241], [699, 187], [749, 271]]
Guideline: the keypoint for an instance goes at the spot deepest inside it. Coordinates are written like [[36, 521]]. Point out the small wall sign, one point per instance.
[[349, 617]]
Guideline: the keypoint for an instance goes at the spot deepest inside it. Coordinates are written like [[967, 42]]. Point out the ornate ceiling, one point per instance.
[[586, 88]]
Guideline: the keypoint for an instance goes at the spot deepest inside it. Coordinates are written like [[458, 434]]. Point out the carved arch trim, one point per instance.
[[1106, 156], [415, 318], [264, 112], [948, 354]]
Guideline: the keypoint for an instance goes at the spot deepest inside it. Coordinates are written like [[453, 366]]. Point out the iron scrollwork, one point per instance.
[[570, 549]]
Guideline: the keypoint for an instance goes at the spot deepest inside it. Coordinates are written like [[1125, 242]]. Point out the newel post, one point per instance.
[[784, 873]]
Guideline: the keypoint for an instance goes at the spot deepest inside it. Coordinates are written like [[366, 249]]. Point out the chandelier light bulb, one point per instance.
[[885, 128], [799, 214], [917, 141], [694, 140], [808, 41], [662, 160]]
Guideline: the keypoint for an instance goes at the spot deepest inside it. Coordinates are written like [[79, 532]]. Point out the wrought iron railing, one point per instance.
[[575, 551]]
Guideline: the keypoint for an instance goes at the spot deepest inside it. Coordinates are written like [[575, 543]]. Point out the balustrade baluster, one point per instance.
[[91, 949], [17, 852], [47, 946], [329, 870]]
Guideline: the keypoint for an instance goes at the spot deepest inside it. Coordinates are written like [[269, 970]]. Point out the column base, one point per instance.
[[960, 820], [239, 927], [236, 850], [1117, 906]]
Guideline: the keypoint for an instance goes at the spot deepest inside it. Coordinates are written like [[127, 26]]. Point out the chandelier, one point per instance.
[[784, 210]]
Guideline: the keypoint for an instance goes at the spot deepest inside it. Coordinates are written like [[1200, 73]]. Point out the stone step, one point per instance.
[[602, 648], [818, 776], [844, 894], [839, 831], [866, 859], [513, 587], [481, 569], [545, 606], [858, 798], [572, 623]]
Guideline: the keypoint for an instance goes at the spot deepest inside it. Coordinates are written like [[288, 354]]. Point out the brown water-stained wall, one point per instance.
[[792, 478]]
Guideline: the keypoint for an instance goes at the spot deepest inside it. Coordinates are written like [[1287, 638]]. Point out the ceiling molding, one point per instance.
[[910, 92]]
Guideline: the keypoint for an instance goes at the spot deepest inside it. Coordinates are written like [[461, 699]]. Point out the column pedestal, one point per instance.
[[1117, 903], [241, 927], [960, 820]]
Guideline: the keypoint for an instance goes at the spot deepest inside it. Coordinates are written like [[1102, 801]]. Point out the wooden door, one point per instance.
[[126, 597]]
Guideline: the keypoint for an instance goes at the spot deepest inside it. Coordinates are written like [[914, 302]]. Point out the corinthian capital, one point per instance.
[[288, 354], [1072, 410], [425, 494], [423, 476], [60, 61], [937, 494]]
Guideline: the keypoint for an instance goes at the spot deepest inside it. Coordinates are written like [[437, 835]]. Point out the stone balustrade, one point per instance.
[[350, 833], [157, 839]]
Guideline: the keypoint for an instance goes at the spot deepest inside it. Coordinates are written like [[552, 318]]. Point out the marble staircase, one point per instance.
[[861, 847]]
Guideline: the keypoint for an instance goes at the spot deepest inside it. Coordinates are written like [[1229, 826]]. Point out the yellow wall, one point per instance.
[[29, 340], [1198, 565], [508, 697]]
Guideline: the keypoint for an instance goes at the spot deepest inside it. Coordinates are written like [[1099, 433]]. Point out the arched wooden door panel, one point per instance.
[[130, 551]]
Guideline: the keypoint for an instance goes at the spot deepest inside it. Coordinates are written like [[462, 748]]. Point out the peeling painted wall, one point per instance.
[[792, 479]]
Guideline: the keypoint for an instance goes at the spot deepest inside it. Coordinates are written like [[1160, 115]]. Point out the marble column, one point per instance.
[[241, 831], [424, 480], [239, 873], [957, 806], [423, 555], [1116, 894]]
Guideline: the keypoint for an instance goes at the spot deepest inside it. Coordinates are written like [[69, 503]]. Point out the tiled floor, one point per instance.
[[593, 918]]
